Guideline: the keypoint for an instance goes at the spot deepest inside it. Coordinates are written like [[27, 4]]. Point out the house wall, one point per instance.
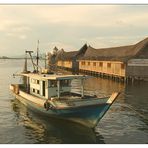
[[137, 68], [115, 68], [64, 64]]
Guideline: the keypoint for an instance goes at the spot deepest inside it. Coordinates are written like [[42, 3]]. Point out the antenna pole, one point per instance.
[[31, 58], [46, 54], [25, 65], [37, 57]]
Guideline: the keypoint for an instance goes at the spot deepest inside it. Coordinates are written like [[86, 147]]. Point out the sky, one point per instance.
[[70, 26]]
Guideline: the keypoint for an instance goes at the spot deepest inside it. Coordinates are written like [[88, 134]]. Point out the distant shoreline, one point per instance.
[[18, 58], [11, 58]]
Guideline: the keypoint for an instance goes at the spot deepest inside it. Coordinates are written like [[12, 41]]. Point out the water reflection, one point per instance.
[[136, 96], [48, 130], [125, 122], [103, 87], [127, 119]]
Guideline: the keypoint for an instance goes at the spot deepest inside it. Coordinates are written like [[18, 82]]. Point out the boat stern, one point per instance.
[[14, 88]]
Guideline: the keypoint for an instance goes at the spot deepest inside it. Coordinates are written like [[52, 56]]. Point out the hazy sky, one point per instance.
[[70, 26]]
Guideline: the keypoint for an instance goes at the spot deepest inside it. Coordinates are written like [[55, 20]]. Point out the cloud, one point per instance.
[[72, 15], [67, 14], [112, 41], [14, 29], [17, 32], [20, 28], [90, 15], [7, 24], [70, 26], [59, 45], [18, 36], [22, 37]]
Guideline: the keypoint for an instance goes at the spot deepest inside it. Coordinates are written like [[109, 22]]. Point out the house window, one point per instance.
[[122, 66], [83, 63], [101, 64], [38, 92], [109, 65], [88, 63], [94, 63], [33, 90]]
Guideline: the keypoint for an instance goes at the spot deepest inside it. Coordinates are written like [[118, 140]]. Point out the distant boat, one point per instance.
[[51, 94]]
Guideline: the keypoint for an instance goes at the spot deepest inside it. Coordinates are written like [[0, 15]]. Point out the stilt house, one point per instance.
[[68, 60], [125, 61]]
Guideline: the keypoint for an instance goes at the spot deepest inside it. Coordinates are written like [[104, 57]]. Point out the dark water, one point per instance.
[[125, 122]]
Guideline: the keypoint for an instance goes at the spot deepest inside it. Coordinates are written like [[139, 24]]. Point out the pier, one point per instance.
[[116, 78]]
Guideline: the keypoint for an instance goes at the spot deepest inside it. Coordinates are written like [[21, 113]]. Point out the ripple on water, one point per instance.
[[125, 122], [124, 126]]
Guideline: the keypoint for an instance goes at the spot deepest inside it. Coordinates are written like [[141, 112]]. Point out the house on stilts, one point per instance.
[[69, 60], [124, 62]]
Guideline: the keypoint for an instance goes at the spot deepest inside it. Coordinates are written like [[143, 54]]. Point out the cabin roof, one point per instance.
[[53, 76], [122, 53]]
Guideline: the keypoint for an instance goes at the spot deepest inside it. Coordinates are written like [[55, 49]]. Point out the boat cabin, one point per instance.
[[50, 85]]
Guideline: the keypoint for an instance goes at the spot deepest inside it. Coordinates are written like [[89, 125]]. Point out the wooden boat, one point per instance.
[[52, 95]]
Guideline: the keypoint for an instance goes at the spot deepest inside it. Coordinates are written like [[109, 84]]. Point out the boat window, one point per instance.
[[52, 83], [65, 83], [34, 81]]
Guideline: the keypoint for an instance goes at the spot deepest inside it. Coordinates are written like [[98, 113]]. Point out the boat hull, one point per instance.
[[88, 116], [87, 112]]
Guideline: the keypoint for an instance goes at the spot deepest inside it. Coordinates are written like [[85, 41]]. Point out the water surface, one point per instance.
[[125, 122]]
